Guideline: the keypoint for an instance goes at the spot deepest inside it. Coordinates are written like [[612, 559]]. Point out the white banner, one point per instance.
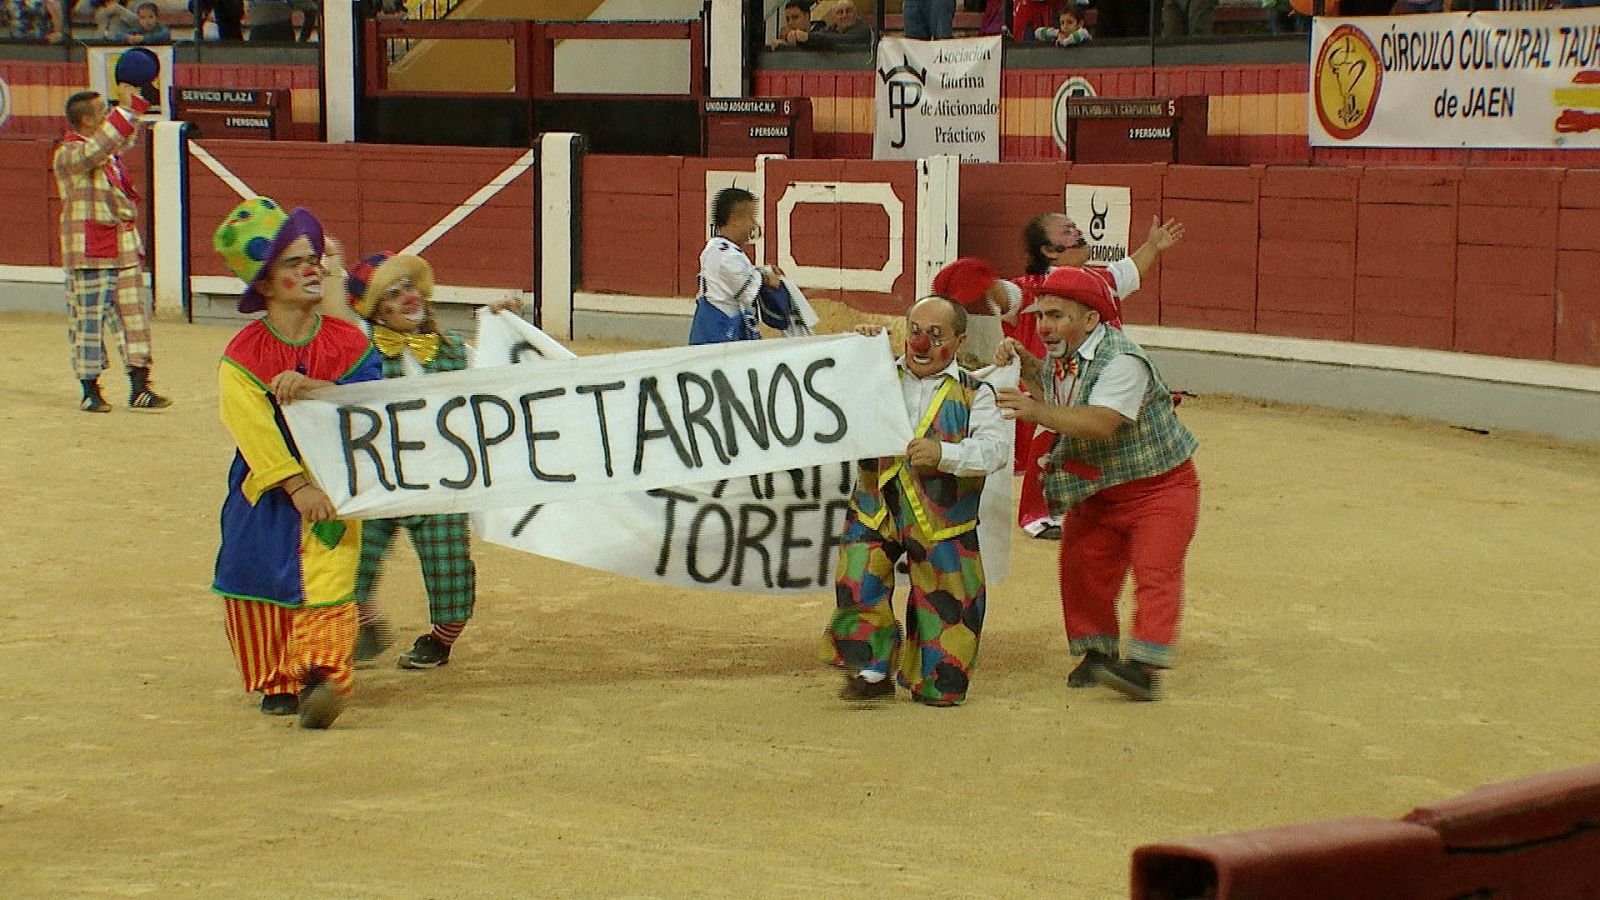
[[766, 534], [1104, 215], [507, 436], [938, 98], [1485, 79]]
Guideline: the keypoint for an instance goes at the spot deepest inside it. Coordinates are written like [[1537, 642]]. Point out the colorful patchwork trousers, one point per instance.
[[443, 545], [101, 300], [944, 610], [1145, 526], [277, 646]]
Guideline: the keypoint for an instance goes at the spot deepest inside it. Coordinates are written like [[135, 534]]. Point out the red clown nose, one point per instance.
[[920, 344]]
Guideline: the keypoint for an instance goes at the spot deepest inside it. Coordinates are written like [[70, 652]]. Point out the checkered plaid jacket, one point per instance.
[[98, 202]]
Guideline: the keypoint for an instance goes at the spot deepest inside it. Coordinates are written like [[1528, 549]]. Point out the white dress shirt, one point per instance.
[[1122, 385], [983, 451]]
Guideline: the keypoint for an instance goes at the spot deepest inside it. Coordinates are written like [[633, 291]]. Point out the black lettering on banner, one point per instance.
[[673, 498], [761, 486], [527, 401], [352, 443], [749, 540], [838, 414], [599, 392], [720, 487], [797, 480], [755, 424], [649, 392], [521, 348], [527, 517], [831, 534], [397, 446], [696, 528], [450, 406], [479, 401], [785, 373], [699, 415], [847, 478], [789, 542]]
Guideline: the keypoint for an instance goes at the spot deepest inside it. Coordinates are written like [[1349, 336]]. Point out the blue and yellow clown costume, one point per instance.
[[931, 518], [388, 289], [288, 585]]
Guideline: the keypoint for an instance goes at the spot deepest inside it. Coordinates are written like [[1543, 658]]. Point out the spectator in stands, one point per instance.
[[1410, 7], [994, 17], [390, 10], [1029, 17], [271, 20], [929, 20], [310, 17], [1069, 29], [847, 30], [27, 20], [113, 19], [1282, 18], [796, 18], [1123, 18], [149, 26], [1187, 17], [228, 15]]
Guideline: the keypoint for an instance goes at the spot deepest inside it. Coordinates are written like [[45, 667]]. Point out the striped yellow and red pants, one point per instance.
[[277, 646]]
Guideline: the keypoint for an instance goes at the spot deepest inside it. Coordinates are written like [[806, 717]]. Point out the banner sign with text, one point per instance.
[[938, 98], [772, 533], [1104, 214], [1483, 79], [496, 437]]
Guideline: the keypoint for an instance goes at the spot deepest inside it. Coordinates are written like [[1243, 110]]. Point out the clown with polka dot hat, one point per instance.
[[287, 564]]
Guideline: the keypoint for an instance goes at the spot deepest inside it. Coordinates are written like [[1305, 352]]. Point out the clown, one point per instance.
[[922, 505], [393, 294], [287, 566]]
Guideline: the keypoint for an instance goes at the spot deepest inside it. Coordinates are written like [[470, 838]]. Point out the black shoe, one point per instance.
[[1083, 675], [94, 404], [859, 690], [148, 399], [371, 640], [427, 653], [1132, 680], [320, 704], [280, 704], [1049, 533]]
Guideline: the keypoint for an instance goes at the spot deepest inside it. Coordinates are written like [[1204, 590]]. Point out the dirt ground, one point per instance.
[[1381, 613]]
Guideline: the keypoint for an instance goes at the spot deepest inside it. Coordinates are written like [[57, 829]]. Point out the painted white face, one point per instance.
[[296, 275], [401, 306]]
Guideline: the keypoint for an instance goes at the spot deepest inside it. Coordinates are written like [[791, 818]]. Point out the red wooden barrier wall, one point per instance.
[[30, 213], [380, 197]]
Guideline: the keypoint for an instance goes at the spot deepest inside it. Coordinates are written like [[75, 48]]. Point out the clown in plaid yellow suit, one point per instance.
[[393, 294], [923, 506], [100, 246]]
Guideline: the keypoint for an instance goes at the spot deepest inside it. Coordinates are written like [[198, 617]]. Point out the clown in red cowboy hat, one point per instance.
[[1120, 473], [393, 294]]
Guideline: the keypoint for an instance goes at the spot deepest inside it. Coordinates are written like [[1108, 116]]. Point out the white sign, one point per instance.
[[507, 436], [1104, 215], [102, 75], [1484, 79], [938, 98], [5, 102], [766, 534]]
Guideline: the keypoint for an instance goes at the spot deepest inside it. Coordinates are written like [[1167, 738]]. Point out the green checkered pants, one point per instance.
[[443, 545]]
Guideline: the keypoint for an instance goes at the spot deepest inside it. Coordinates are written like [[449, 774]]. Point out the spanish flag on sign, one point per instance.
[[1586, 94]]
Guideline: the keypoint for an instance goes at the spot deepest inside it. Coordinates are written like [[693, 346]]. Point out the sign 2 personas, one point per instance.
[[569, 429], [1488, 79]]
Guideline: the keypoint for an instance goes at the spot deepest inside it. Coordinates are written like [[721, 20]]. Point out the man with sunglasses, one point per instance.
[[922, 505]]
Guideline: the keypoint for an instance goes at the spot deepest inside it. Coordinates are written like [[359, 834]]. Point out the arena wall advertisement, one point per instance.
[[937, 98], [1457, 80]]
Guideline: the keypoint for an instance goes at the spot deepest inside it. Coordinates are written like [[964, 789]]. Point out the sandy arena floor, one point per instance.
[[1381, 613]]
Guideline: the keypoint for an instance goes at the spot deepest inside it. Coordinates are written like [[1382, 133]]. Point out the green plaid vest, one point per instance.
[[1151, 445], [943, 504], [452, 356]]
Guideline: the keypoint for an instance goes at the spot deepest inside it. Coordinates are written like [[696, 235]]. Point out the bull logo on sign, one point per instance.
[[1097, 218], [904, 85]]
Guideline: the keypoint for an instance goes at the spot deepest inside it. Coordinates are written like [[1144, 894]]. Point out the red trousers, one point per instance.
[[1145, 525], [1032, 443]]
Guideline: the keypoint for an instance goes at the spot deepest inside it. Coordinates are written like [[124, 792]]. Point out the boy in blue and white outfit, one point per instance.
[[734, 294]]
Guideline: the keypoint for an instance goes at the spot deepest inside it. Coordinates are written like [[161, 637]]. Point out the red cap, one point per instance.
[[966, 281], [1082, 286]]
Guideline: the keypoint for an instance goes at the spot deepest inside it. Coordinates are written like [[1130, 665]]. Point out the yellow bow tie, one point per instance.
[[392, 343]]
